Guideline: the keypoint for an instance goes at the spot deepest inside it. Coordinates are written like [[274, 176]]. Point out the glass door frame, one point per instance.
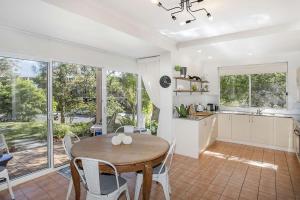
[[104, 97]]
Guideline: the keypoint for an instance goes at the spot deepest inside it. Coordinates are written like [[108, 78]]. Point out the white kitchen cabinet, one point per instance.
[[283, 132], [224, 126], [262, 130], [194, 136], [241, 128], [206, 132]]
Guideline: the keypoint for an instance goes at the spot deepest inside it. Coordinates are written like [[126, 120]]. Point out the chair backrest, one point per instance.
[[3, 144], [90, 175], [127, 129], [67, 143], [169, 158]]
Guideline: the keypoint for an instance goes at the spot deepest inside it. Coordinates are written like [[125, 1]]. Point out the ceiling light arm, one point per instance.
[[181, 9], [169, 9], [201, 9], [189, 11]]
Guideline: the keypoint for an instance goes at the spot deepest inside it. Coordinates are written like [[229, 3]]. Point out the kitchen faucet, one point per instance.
[[259, 111]]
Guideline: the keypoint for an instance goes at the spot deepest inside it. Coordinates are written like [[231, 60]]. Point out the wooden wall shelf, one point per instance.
[[190, 89]]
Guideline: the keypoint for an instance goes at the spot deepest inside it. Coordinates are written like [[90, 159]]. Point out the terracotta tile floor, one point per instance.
[[225, 171]]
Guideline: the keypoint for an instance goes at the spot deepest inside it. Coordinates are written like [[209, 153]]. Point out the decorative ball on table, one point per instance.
[[121, 138]]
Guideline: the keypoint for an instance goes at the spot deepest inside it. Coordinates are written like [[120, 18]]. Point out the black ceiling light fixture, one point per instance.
[[184, 5]]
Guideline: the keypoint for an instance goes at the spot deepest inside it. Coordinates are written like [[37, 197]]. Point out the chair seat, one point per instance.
[[156, 169], [108, 183]]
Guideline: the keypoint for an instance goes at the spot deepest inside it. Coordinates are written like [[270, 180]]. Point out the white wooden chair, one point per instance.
[[101, 186], [3, 144], [159, 174], [4, 175], [127, 129], [67, 144], [3, 170]]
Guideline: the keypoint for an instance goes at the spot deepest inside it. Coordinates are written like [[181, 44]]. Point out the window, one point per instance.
[[150, 112], [121, 100], [234, 90], [74, 103], [23, 114], [254, 86]]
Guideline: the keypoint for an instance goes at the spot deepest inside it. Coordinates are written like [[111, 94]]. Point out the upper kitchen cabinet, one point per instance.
[[262, 129], [241, 127], [283, 128], [224, 126]]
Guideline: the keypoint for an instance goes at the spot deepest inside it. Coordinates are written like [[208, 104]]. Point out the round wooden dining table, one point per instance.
[[145, 152]]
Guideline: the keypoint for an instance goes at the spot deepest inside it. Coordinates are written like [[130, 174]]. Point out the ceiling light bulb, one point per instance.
[[199, 51], [155, 1], [182, 23], [210, 57], [210, 17]]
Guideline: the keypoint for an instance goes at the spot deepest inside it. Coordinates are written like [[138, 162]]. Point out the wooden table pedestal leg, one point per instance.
[[147, 181], [76, 180]]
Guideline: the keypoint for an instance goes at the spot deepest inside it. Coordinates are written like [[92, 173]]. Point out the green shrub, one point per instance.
[[81, 129], [60, 130]]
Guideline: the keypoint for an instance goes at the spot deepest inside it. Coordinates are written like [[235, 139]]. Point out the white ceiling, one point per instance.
[[41, 18], [138, 28], [229, 16]]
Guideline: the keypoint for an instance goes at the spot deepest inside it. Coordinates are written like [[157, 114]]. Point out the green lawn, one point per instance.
[[25, 135]]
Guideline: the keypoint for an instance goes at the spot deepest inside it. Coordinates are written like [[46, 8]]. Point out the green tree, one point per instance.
[[30, 100], [74, 89]]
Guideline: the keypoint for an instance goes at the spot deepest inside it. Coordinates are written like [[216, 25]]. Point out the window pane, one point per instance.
[[23, 114], [268, 90], [234, 90], [150, 112], [121, 100], [74, 104]]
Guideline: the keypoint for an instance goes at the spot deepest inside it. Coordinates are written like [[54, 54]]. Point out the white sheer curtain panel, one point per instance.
[[150, 72]]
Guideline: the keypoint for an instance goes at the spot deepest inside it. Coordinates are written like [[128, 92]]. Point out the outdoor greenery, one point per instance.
[[266, 90], [234, 90]]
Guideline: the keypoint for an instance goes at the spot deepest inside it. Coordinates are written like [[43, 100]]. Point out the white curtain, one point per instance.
[[150, 72]]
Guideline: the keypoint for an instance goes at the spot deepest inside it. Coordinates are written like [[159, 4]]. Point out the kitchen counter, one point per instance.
[[296, 117], [193, 118]]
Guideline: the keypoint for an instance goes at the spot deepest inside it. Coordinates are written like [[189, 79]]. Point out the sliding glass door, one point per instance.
[[40, 102], [75, 102], [121, 100], [23, 114]]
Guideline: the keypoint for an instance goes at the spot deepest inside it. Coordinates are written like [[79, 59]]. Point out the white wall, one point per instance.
[[165, 129], [19, 44]]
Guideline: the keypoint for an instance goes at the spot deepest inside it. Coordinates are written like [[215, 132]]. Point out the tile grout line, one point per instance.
[[244, 179], [290, 174]]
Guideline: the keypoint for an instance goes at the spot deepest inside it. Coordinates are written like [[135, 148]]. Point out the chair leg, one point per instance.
[[169, 184], [165, 185], [9, 185], [69, 189], [138, 184], [127, 194]]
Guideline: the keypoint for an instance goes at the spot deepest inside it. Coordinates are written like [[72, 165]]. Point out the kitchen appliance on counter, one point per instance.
[[200, 108], [212, 107], [297, 140]]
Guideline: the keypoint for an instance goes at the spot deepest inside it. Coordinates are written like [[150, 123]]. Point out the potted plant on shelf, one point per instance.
[[182, 111], [181, 69]]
